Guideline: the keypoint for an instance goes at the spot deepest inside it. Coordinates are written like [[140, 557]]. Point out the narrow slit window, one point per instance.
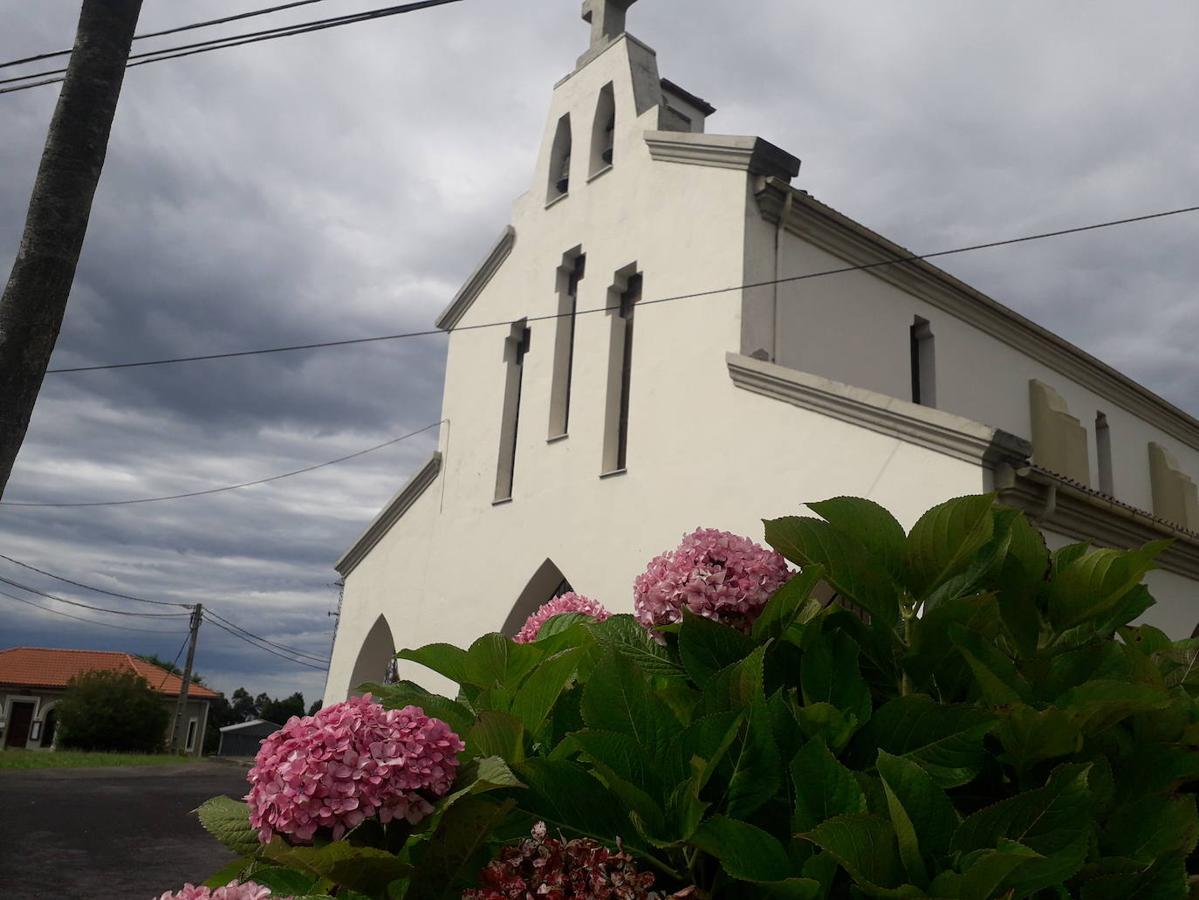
[[622, 305], [924, 363], [570, 273], [1103, 449], [560, 155], [603, 130], [516, 345]]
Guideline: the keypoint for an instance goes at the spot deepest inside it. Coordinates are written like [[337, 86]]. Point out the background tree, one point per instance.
[[243, 705], [106, 710], [154, 660], [279, 711], [35, 299], [316, 707]]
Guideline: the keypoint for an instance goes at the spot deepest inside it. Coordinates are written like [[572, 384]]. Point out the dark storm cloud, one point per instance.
[[343, 184]]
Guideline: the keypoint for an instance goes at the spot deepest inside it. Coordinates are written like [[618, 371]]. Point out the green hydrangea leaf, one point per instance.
[[228, 821]]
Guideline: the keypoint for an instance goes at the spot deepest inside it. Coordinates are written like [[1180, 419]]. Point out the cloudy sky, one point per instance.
[[344, 183]]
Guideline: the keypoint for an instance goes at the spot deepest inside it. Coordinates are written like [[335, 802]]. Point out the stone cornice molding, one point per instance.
[[828, 229], [1059, 505], [725, 151], [477, 281], [934, 429], [391, 514]]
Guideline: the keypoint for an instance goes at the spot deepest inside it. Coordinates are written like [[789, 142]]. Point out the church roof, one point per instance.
[[43, 667]]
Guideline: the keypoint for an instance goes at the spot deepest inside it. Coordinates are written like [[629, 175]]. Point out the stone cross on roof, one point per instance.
[[606, 18]]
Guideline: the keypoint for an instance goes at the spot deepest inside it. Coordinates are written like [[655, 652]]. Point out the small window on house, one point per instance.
[[603, 130], [516, 345], [1103, 449], [570, 273], [192, 725], [924, 365], [560, 161], [623, 297]]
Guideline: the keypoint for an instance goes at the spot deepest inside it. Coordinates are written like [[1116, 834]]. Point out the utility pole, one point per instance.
[[35, 299], [178, 734]]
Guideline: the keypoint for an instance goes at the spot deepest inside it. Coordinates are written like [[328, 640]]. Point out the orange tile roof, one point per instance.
[[40, 667]]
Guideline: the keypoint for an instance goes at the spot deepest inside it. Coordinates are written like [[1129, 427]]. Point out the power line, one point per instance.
[[116, 612], [81, 618], [253, 37], [275, 644], [267, 649], [89, 587], [153, 34], [209, 491], [167, 673], [210, 612], [708, 293]]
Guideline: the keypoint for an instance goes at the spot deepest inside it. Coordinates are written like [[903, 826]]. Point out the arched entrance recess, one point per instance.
[[547, 583], [374, 657]]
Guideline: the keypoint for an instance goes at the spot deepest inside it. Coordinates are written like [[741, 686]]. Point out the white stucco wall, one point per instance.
[[854, 327]]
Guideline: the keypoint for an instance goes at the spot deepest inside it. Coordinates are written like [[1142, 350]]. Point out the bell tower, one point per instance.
[[607, 19]]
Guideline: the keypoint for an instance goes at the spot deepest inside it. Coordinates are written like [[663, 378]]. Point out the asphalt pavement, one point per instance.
[[109, 834]]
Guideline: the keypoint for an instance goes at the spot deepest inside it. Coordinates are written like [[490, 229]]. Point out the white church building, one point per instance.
[[625, 405]]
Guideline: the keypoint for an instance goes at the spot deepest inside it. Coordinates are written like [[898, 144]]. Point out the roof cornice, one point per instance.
[[840, 235], [934, 429], [1060, 505], [477, 281], [725, 151], [391, 514]]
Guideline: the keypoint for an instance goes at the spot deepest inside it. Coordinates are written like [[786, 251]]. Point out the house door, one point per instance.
[[19, 719]]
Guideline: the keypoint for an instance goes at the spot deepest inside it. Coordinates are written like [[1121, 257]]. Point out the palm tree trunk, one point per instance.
[[35, 299]]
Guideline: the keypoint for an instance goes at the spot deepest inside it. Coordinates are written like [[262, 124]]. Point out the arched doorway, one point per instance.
[[547, 583], [374, 658]]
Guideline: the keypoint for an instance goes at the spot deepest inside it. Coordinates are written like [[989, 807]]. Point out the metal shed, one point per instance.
[[244, 738]]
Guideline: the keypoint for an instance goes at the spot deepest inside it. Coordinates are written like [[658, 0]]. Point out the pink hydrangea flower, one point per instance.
[[569, 602], [232, 891], [714, 574], [581, 869], [350, 762]]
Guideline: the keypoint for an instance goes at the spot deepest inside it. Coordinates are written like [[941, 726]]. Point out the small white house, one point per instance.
[[642, 389], [33, 680]]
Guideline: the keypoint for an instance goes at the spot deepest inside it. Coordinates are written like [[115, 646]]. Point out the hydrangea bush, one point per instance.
[[233, 891], [714, 574], [569, 602], [348, 763], [971, 716], [542, 866]]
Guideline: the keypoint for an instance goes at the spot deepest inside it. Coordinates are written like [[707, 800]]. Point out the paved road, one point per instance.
[[108, 834]]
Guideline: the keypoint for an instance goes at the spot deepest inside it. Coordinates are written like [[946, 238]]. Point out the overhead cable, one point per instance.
[[90, 587], [153, 34], [65, 615], [275, 644], [254, 37], [242, 637], [208, 610], [216, 490], [167, 673], [841, 270], [115, 612]]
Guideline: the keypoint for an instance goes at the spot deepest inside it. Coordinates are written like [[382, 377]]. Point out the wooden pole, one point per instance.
[[178, 733], [35, 298]]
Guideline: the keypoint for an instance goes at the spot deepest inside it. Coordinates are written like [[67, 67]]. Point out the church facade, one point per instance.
[[674, 357]]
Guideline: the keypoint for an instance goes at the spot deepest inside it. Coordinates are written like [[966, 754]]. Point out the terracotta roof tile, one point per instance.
[[40, 667]]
